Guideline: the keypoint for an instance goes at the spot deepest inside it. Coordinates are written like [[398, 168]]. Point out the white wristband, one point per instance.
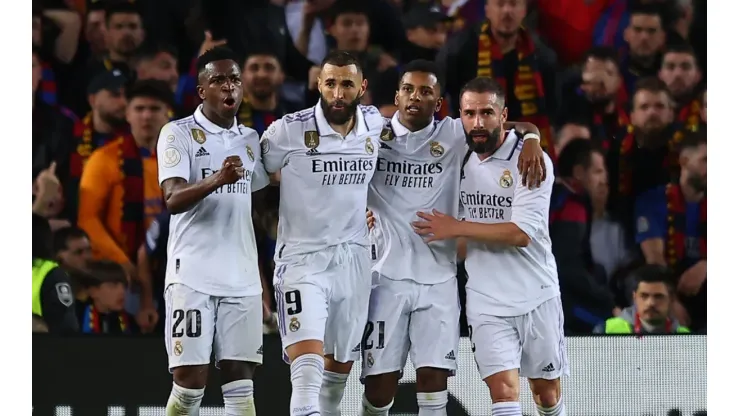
[[531, 136]]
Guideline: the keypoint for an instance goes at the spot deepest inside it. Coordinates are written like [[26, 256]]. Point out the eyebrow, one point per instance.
[[406, 84]]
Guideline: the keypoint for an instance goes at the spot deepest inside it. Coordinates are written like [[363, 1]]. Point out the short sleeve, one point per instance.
[[460, 146], [274, 146], [260, 178], [173, 154], [531, 207], [649, 218], [156, 235]]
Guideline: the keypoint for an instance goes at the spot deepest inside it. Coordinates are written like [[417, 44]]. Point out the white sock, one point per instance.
[[369, 410], [507, 409], [184, 402], [305, 376], [557, 410], [432, 404], [332, 391], [239, 398]]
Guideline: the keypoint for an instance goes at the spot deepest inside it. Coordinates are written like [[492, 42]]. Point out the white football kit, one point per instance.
[[414, 305], [513, 296], [322, 258], [213, 290]]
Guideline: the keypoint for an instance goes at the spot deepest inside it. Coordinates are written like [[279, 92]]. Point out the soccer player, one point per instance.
[[326, 157], [208, 168], [513, 298], [414, 306]]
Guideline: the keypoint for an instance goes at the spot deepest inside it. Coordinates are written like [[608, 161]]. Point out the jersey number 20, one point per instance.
[[192, 323]]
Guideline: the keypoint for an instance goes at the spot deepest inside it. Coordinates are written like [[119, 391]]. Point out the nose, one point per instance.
[[337, 93], [415, 95], [478, 121]]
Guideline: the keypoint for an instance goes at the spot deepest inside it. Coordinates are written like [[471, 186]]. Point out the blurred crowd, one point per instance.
[[617, 88]]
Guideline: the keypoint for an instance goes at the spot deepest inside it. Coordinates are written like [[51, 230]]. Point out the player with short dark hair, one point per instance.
[[209, 166]]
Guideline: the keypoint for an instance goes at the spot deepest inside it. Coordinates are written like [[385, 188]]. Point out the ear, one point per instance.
[[438, 106], [395, 99], [363, 87], [504, 115], [578, 172], [201, 92], [91, 100]]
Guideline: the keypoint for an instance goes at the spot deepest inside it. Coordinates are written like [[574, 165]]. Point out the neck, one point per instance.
[[486, 155], [505, 43], [145, 142], [100, 308], [598, 212], [269, 103], [690, 194], [99, 125], [345, 128], [213, 117], [411, 127], [611, 107], [117, 57]]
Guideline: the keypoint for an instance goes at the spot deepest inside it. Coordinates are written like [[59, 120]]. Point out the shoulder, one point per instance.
[[249, 133], [106, 152], [652, 195], [373, 118], [298, 117], [179, 126]]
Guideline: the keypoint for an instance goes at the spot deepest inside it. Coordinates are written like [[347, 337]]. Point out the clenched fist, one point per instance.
[[231, 170]]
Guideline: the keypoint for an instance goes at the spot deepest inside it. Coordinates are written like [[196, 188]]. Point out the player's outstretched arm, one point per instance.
[[439, 226]]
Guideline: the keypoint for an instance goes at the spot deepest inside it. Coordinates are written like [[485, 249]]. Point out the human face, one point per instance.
[[111, 296], [680, 73], [594, 178], [124, 33], [483, 117], [506, 16], [95, 30], [220, 88], [417, 99], [341, 89], [351, 31], [694, 163], [110, 106], [645, 35], [146, 116], [653, 301], [77, 253], [432, 37], [601, 81], [262, 76], [163, 68], [652, 111]]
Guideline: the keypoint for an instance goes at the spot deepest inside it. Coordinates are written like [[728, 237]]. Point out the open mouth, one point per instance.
[[413, 109], [229, 102], [338, 106], [479, 137]]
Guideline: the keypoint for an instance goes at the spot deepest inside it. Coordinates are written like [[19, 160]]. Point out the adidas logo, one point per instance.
[[385, 146], [202, 152], [549, 368], [259, 351], [450, 355]]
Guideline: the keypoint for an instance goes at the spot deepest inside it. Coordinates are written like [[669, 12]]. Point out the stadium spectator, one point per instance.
[[95, 30], [119, 189], [124, 34], [157, 62], [672, 227], [72, 250], [651, 313], [583, 284], [570, 131], [645, 38], [680, 72], [104, 312], [151, 261]]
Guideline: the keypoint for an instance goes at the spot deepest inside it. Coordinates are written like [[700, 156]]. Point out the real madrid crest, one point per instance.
[[178, 348], [506, 179], [294, 325], [369, 148], [386, 135], [311, 139], [370, 360], [264, 145], [436, 149], [198, 135], [250, 153]]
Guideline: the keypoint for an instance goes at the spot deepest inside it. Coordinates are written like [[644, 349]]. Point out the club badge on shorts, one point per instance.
[[386, 135], [294, 325], [178, 348], [370, 360], [250, 153], [506, 179], [436, 149], [198, 135], [369, 148]]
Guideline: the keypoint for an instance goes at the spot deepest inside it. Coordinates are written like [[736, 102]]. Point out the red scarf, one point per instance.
[[626, 159], [690, 115], [676, 241], [606, 132], [246, 117], [91, 321], [637, 326], [529, 90], [83, 134], [132, 216]]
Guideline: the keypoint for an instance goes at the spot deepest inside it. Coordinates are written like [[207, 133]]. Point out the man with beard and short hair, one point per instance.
[[262, 104], [596, 97], [510, 296], [414, 308], [209, 166], [326, 157], [646, 37], [680, 72], [124, 34], [653, 297], [672, 226]]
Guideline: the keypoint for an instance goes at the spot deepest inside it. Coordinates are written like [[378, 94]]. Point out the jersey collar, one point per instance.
[[209, 126], [506, 151], [401, 130], [324, 129]]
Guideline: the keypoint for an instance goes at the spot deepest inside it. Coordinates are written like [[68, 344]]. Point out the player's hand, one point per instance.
[[147, 318], [231, 170], [385, 61], [531, 164], [370, 220], [435, 226], [209, 43]]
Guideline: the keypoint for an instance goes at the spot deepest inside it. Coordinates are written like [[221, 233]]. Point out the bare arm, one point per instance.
[[180, 196], [69, 24], [503, 233], [522, 127], [654, 251]]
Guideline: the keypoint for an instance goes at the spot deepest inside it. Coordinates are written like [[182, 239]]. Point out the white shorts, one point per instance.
[[324, 296], [533, 343], [196, 322]]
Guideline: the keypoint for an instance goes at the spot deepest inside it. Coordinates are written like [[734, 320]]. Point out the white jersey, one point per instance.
[[211, 247], [324, 178], [512, 280], [417, 171]]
